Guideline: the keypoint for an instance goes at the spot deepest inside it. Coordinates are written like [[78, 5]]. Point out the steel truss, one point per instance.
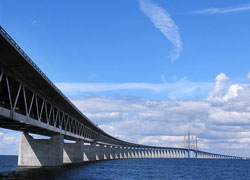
[[23, 105]]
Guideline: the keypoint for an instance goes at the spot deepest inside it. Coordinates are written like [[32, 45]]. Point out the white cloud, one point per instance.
[[222, 90], [222, 120], [248, 76], [223, 10], [7, 140], [162, 20]]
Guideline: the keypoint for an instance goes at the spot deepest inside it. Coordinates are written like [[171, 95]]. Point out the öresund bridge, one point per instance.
[[31, 103]]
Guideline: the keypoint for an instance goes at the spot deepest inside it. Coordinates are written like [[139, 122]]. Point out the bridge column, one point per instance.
[[106, 152], [168, 153], [100, 152], [171, 154], [73, 152], [142, 153], [129, 152], [146, 153], [122, 152], [40, 152], [149, 153], [125, 154], [177, 154], [132, 152], [136, 152], [118, 152], [155, 154], [160, 153], [112, 152], [163, 153], [90, 152], [181, 153]]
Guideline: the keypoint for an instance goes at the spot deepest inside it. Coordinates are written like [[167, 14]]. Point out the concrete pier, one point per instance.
[[112, 152], [117, 152], [106, 151], [73, 152], [90, 152], [100, 152], [40, 152], [54, 152], [125, 154]]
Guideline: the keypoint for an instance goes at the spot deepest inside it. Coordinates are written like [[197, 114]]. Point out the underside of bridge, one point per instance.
[[31, 103]]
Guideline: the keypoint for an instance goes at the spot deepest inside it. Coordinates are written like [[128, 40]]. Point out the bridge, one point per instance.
[[32, 104]]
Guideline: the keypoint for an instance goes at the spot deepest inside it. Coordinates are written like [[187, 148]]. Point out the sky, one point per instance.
[[145, 71]]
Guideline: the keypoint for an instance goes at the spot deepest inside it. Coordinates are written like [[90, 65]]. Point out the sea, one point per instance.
[[126, 169]]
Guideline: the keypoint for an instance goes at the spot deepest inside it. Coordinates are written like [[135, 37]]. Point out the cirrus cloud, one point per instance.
[[162, 21], [223, 10]]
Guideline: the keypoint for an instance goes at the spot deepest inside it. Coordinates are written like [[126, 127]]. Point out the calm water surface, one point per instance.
[[167, 169]]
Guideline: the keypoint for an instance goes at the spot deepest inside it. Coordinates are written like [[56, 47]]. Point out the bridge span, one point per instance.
[[31, 103]]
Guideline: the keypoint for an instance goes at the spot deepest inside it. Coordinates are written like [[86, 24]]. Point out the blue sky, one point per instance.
[[149, 56]]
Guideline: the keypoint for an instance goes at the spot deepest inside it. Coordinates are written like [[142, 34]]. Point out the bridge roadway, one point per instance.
[[31, 103]]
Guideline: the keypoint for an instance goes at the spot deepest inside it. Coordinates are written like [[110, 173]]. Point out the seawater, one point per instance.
[[139, 169]]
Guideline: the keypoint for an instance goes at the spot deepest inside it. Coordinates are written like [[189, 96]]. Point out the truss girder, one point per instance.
[[14, 99]]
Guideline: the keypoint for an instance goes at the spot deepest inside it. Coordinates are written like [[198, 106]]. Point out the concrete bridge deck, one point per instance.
[[31, 103]]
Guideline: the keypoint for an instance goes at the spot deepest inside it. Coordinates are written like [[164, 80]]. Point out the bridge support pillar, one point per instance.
[[112, 151], [125, 154], [121, 154], [106, 152], [117, 152], [40, 152], [90, 152], [129, 150], [73, 152], [146, 153], [100, 152]]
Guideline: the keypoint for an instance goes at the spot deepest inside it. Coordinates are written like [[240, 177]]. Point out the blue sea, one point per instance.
[[139, 169]]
